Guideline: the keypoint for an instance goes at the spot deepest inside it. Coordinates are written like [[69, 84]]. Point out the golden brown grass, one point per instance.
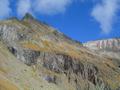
[[31, 46], [6, 85]]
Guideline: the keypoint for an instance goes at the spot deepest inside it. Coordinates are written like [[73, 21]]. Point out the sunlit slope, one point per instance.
[[15, 75]]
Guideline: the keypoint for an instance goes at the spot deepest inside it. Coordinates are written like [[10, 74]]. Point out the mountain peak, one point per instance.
[[28, 16]]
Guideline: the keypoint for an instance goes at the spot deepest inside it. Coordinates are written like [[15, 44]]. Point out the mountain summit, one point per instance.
[[28, 16], [34, 56]]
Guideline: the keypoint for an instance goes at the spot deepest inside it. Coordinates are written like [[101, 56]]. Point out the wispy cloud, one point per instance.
[[5, 9], [51, 7], [48, 7], [23, 6], [105, 13]]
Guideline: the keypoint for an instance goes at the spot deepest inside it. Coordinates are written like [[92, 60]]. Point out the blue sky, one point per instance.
[[82, 20]]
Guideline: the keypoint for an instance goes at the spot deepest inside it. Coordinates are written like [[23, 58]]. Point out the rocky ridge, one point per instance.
[[109, 47]]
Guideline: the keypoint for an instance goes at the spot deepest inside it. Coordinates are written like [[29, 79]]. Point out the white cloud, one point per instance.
[[5, 9], [50, 7], [105, 14], [23, 7]]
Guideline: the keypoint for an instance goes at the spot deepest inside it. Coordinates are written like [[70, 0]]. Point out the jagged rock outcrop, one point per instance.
[[56, 60]]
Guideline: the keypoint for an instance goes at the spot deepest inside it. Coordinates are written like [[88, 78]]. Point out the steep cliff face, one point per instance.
[[48, 60], [109, 47]]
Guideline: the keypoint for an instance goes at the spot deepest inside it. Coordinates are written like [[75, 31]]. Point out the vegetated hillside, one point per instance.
[[34, 56]]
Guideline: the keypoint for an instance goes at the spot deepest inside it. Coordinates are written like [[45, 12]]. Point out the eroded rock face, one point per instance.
[[29, 57], [110, 47], [73, 69]]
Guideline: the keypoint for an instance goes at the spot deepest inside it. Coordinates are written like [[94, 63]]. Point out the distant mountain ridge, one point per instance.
[[111, 44], [107, 46]]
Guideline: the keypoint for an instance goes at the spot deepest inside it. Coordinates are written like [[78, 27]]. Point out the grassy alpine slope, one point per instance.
[[34, 56]]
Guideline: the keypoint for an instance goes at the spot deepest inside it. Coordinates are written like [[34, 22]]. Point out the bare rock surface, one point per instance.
[[109, 47]]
